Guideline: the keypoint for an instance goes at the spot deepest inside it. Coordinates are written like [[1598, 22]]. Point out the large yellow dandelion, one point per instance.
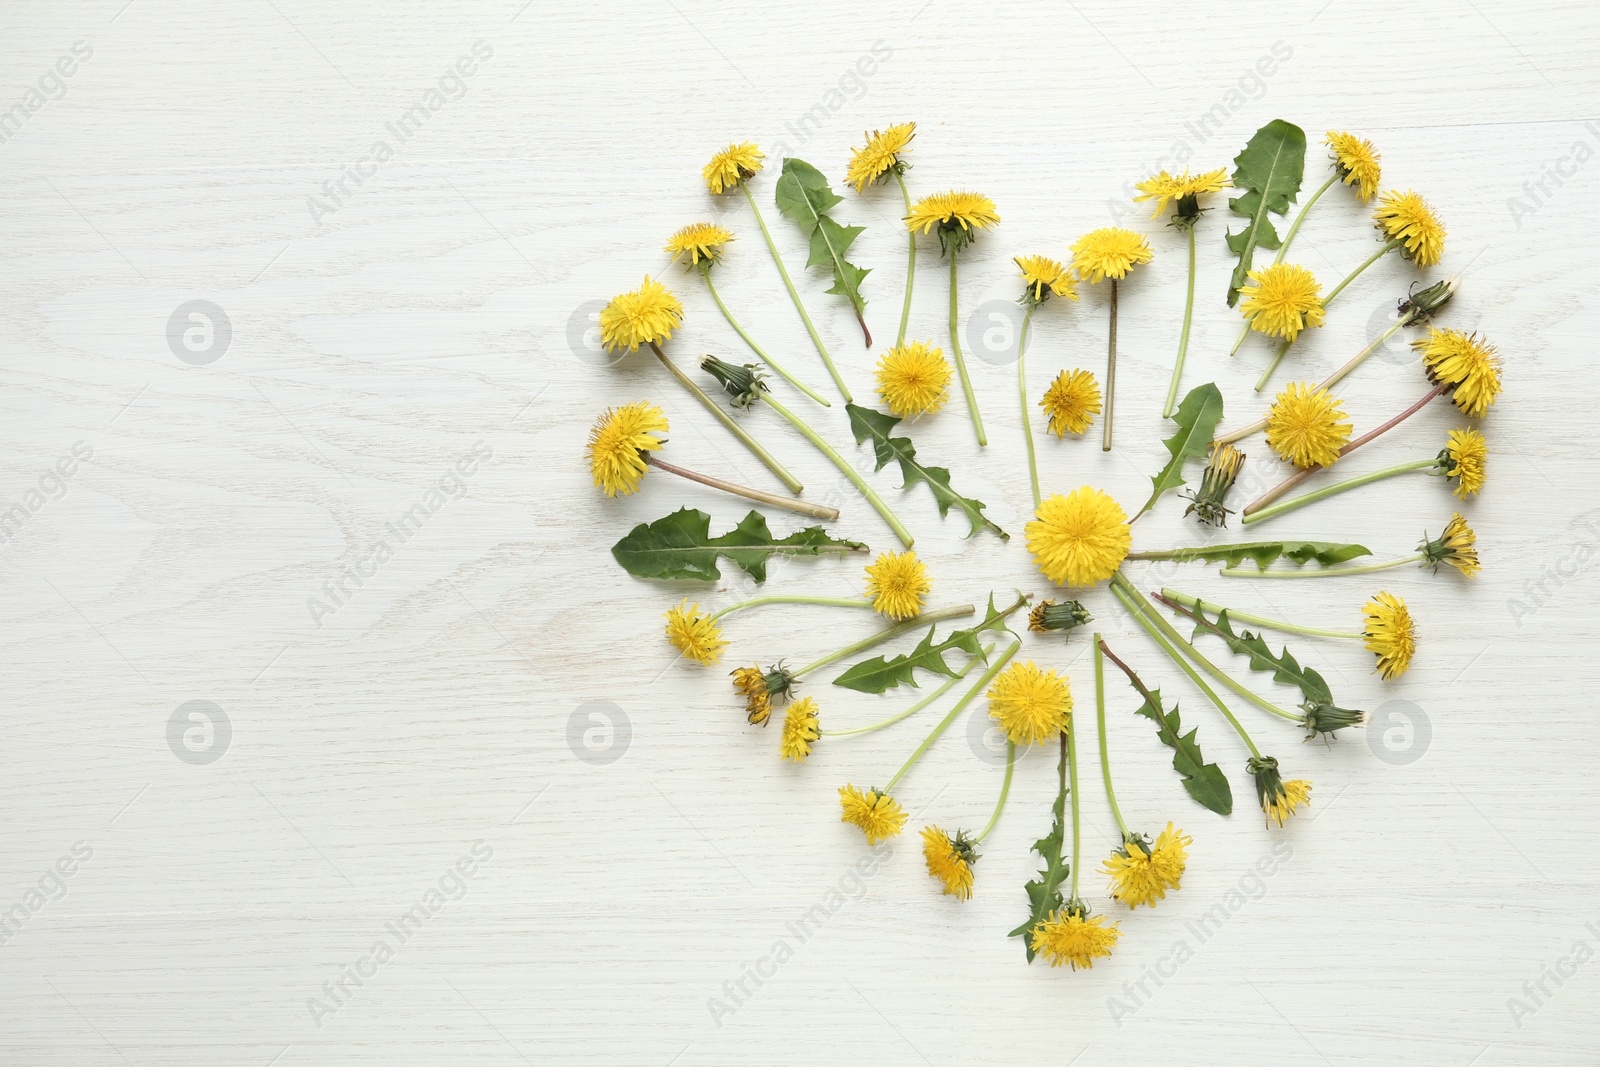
[[732, 167], [1468, 368], [618, 444], [1356, 161], [913, 379], [880, 156], [1281, 300], [1407, 218], [1032, 706], [1390, 634], [1109, 253], [694, 634], [645, 316], [1306, 426], [877, 814], [1079, 539]]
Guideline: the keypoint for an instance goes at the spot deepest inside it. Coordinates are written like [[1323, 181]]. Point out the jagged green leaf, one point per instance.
[[880, 674], [1323, 553], [1204, 781], [681, 546], [804, 196], [1285, 668], [866, 424], [1197, 419], [1044, 892], [1269, 172]]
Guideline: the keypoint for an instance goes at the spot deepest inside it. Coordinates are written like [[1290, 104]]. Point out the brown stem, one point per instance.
[[826, 514], [1299, 476], [864, 331], [1143, 689], [1111, 370]]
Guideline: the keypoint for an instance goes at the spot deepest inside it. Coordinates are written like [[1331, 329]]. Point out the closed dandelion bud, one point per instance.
[[1422, 304], [1221, 472], [1456, 546], [1325, 718], [1279, 799], [1052, 616], [742, 383]]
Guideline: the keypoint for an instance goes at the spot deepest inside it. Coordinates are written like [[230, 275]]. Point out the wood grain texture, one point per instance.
[[446, 307]]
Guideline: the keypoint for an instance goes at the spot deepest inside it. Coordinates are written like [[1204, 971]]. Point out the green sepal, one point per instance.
[[866, 423], [1196, 419], [681, 546], [1269, 171]]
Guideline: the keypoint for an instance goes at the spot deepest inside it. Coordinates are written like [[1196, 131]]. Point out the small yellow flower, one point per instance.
[[913, 379], [1180, 187], [1109, 253], [1032, 706], [1389, 634], [760, 689], [1357, 161], [618, 443], [1407, 218], [949, 860], [1071, 402], [1142, 873], [898, 583], [694, 634], [967, 211], [878, 815], [1074, 937], [645, 316], [1468, 368], [1465, 456], [732, 167], [1045, 277], [1292, 796], [880, 157], [698, 240], [800, 729], [1282, 300], [1456, 546], [1306, 426], [1079, 539]]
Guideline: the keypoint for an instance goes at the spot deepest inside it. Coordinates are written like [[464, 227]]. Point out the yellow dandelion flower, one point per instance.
[[913, 379], [1074, 937], [1357, 162], [1306, 426], [957, 216], [1282, 300], [1032, 706], [1079, 539], [1468, 368], [1292, 796], [694, 634], [898, 583], [880, 156], [878, 815], [1180, 188], [800, 729], [645, 316], [1456, 546], [760, 689], [1389, 634], [949, 860], [1109, 253], [698, 240], [1407, 218], [1045, 277], [1465, 457], [732, 167], [1071, 402], [618, 443], [1142, 873]]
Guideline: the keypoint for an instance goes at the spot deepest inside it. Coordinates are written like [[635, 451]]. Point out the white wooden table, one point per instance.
[[589, 890]]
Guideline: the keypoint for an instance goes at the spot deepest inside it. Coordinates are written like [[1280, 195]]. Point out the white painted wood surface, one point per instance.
[[445, 702]]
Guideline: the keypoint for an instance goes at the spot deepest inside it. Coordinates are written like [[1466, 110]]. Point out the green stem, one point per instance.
[[1071, 734], [1183, 338], [911, 262], [1388, 247], [1337, 487], [1322, 572], [727, 420], [849, 472], [961, 362], [1183, 664], [1259, 620], [1244, 331], [1111, 376], [1005, 791], [1022, 392], [917, 622], [1277, 358], [1100, 721], [961, 705], [757, 349], [1294, 228], [833, 601], [919, 705], [788, 283]]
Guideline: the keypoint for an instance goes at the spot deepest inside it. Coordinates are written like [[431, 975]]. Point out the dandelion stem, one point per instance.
[[1388, 247], [1294, 227], [1183, 664], [788, 283], [1100, 721], [758, 350], [826, 514], [727, 420], [961, 705], [916, 622], [833, 601], [1183, 338], [961, 361], [1338, 487], [1322, 572], [1111, 372], [1277, 358], [911, 262], [1170, 594], [1022, 392], [1244, 331], [1005, 791], [849, 472], [919, 705], [1070, 740]]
